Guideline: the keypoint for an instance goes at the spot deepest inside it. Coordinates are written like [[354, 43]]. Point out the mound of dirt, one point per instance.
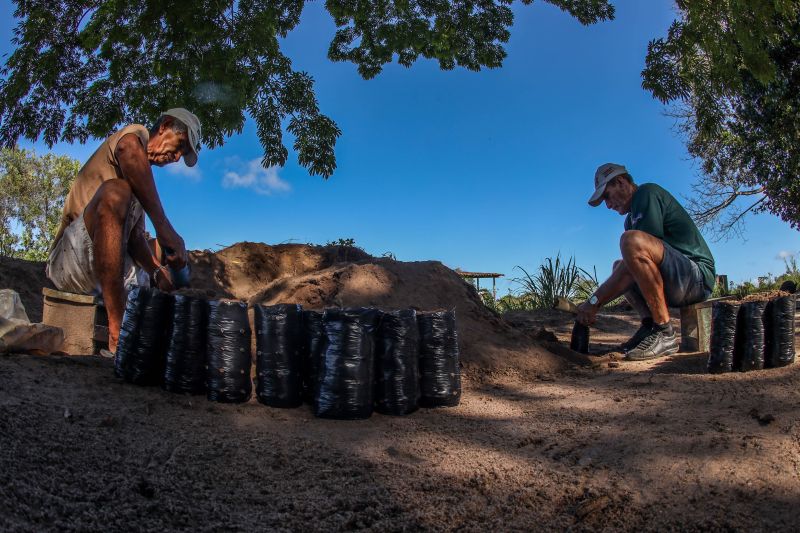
[[241, 270], [334, 276], [318, 277]]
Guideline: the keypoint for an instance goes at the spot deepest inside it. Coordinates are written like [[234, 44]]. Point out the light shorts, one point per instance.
[[683, 281], [70, 265]]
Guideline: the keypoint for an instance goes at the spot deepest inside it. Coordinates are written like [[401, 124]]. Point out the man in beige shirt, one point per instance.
[[102, 232]]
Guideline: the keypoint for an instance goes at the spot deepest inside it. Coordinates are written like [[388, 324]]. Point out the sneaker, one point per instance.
[[657, 343], [641, 333], [106, 354]]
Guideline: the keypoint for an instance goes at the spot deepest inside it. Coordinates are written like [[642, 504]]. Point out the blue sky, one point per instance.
[[482, 171]]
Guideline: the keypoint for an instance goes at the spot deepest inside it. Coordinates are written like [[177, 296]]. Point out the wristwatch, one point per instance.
[[593, 300], [156, 271]]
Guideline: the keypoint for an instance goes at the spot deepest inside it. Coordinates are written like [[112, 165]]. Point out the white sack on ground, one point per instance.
[[17, 334]]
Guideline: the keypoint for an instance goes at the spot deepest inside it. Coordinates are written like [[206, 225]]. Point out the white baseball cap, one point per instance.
[[604, 174], [193, 131]]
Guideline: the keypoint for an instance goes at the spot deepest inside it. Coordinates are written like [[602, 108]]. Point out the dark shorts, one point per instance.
[[683, 280]]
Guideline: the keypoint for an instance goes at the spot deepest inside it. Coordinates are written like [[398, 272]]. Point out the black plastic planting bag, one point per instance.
[[580, 338], [440, 373], [185, 371], [345, 388], [141, 349], [780, 331], [129, 331], [279, 381], [312, 348], [229, 356], [749, 351], [397, 363], [723, 336]]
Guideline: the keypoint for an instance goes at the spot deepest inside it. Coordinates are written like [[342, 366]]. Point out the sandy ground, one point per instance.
[[537, 443], [642, 446]]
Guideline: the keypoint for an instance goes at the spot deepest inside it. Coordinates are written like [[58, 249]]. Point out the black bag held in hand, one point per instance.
[[749, 352], [780, 331], [312, 347], [278, 358], [229, 356], [440, 372], [345, 379], [580, 338], [140, 357], [186, 354], [397, 363], [723, 336]]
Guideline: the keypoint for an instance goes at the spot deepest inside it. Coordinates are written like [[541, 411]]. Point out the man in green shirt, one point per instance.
[[665, 261]]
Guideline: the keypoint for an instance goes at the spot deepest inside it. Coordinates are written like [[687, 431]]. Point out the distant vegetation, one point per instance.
[[342, 242], [32, 193], [764, 283], [539, 289], [555, 278]]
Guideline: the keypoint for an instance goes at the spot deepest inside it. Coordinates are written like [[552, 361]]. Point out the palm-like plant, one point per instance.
[[554, 279]]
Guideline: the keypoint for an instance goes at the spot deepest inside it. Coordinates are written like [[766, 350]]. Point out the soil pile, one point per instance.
[[336, 276], [317, 277], [241, 270], [27, 278]]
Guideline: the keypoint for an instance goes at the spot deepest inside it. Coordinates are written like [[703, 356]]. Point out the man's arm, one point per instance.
[[135, 167], [616, 285], [139, 249]]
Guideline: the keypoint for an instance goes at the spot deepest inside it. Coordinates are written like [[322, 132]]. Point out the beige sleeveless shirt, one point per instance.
[[101, 167]]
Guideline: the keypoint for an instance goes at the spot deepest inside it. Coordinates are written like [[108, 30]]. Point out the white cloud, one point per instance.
[[180, 169], [785, 254], [252, 175]]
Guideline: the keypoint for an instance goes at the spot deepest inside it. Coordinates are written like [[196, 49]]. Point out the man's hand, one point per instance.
[[173, 246], [163, 279], [586, 314]]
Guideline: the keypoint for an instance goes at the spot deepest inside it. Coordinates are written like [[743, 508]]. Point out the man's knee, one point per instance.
[[635, 244], [633, 239], [112, 200]]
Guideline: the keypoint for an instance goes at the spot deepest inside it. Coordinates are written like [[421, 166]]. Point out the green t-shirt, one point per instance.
[[657, 212]]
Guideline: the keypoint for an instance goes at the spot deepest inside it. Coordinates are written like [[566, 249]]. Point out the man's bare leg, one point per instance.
[[633, 298], [105, 218], [642, 254]]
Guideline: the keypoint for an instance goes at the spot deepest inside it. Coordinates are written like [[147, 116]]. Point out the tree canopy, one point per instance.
[[731, 69], [32, 193], [81, 68]]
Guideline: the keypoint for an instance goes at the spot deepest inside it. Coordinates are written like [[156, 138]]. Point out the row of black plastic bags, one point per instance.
[[344, 362], [752, 335]]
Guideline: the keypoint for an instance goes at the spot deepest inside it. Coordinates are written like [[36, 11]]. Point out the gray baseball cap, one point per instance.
[[605, 173], [193, 131]]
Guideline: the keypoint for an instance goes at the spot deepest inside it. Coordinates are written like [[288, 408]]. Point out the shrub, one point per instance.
[[553, 279]]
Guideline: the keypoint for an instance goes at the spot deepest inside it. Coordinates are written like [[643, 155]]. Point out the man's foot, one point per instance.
[[641, 333], [659, 342]]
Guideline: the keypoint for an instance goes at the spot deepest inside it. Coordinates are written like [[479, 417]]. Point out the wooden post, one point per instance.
[[82, 317], [695, 328], [494, 288], [696, 325], [722, 281]]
